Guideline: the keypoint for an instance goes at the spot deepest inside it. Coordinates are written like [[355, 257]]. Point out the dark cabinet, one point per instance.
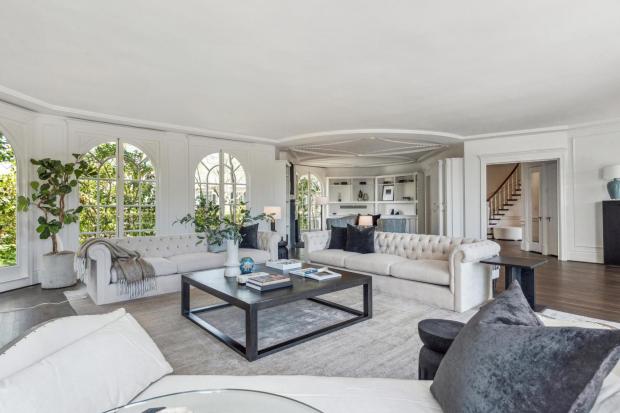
[[611, 232]]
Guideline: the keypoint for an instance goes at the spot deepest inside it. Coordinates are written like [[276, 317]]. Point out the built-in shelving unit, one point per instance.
[[385, 194]]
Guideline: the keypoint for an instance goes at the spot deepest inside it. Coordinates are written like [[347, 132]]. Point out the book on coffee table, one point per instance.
[[263, 281], [283, 264], [319, 274]]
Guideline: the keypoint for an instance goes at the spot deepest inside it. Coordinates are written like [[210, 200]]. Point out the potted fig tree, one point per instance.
[[50, 195]]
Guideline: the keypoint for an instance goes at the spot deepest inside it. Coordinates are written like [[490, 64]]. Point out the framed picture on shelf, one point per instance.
[[388, 193]]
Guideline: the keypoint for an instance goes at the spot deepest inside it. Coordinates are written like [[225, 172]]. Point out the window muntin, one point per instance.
[[120, 199], [8, 203], [221, 173]]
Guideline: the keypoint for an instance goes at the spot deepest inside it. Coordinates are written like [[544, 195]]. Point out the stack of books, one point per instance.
[[284, 265], [319, 274], [267, 282]]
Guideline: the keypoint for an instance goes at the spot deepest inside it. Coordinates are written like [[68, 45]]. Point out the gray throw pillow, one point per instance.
[[505, 360]]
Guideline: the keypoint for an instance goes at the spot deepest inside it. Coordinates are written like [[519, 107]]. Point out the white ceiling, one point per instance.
[[279, 70]]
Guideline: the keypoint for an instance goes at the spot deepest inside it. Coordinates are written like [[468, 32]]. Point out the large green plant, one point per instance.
[[56, 181], [231, 226], [206, 221]]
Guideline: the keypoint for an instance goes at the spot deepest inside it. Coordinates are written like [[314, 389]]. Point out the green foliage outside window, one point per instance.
[[308, 214], [101, 195], [8, 204]]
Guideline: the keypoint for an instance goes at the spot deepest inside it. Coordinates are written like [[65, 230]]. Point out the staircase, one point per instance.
[[504, 197]]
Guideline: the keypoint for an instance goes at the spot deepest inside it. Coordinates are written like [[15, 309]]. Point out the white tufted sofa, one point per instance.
[[170, 256], [439, 270]]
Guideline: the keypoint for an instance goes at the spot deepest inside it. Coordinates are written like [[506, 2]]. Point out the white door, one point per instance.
[[541, 207], [550, 208], [534, 207]]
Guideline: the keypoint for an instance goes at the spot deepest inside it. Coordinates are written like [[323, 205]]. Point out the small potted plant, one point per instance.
[[206, 221], [49, 195], [231, 231]]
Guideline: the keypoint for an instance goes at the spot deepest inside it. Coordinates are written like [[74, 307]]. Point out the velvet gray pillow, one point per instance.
[[360, 239], [338, 238], [505, 360]]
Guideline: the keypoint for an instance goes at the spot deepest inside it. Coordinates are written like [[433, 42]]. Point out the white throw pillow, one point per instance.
[[49, 337], [98, 372]]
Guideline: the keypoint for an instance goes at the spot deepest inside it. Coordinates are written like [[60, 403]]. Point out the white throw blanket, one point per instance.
[[135, 275]]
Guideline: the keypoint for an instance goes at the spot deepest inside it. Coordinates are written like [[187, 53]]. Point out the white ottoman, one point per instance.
[[508, 233]]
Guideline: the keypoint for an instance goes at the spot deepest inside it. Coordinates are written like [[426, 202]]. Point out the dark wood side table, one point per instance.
[[522, 270]]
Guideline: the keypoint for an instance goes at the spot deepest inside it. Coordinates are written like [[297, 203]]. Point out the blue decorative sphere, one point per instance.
[[246, 265]]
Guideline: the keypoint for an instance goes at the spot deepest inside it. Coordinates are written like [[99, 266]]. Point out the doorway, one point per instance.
[[540, 196], [522, 205]]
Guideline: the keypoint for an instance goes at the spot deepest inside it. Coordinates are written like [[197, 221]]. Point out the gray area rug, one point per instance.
[[385, 346]]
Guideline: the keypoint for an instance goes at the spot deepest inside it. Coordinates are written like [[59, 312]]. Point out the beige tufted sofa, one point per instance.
[[439, 270], [170, 256]]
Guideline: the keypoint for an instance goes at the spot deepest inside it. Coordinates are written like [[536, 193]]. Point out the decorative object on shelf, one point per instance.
[[365, 221], [392, 211], [360, 195], [362, 182], [344, 183], [246, 265], [339, 197], [321, 201], [365, 197], [388, 193], [406, 198], [612, 174], [273, 213], [49, 194]]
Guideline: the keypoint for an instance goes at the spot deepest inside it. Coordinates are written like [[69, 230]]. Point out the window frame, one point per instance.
[[221, 184], [309, 196], [120, 180]]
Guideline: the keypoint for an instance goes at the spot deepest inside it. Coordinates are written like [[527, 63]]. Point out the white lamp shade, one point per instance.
[[365, 221], [320, 200], [611, 172], [274, 212]]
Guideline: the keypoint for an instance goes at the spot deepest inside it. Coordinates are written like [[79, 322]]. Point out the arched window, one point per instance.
[[8, 202], [120, 198], [221, 173], [308, 212]]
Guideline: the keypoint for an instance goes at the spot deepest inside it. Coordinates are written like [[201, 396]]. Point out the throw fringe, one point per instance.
[[81, 265], [137, 288]]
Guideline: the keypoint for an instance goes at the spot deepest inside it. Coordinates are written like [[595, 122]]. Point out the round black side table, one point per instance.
[[437, 336]]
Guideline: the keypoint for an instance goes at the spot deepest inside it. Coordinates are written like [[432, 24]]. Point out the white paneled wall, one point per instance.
[[174, 155]]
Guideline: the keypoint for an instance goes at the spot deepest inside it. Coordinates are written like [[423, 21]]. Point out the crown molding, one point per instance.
[[27, 102]]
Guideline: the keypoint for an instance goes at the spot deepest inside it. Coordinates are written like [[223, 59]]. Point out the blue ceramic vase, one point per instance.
[[613, 187], [246, 265]]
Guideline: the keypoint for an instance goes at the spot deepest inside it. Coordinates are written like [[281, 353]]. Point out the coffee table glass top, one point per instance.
[[214, 279], [219, 401]]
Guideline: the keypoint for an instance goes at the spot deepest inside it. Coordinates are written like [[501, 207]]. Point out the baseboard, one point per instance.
[[586, 254]]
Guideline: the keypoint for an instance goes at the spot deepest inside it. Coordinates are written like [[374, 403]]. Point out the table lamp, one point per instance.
[[274, 213], [365, 221], [612, 173], [321, 201]]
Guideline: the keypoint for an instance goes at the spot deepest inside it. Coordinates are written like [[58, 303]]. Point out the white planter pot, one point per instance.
[[232, 253], [57, 270]]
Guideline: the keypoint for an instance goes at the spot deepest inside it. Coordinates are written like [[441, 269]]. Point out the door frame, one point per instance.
[[536, 155]]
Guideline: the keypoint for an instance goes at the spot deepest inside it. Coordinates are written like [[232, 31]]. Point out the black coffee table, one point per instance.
[[251, 301]]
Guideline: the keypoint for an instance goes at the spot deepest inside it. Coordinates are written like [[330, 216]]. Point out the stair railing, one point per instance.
[[502, 196]]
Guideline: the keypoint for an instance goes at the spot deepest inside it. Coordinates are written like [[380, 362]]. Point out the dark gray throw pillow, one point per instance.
[[338, 238], [360, 239], [505, 360], [249, 236]]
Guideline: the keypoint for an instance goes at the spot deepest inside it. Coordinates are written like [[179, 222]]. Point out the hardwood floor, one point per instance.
[[13, 323], [591, 290]]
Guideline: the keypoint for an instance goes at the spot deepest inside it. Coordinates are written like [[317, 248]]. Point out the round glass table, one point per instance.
[[218, 401]]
